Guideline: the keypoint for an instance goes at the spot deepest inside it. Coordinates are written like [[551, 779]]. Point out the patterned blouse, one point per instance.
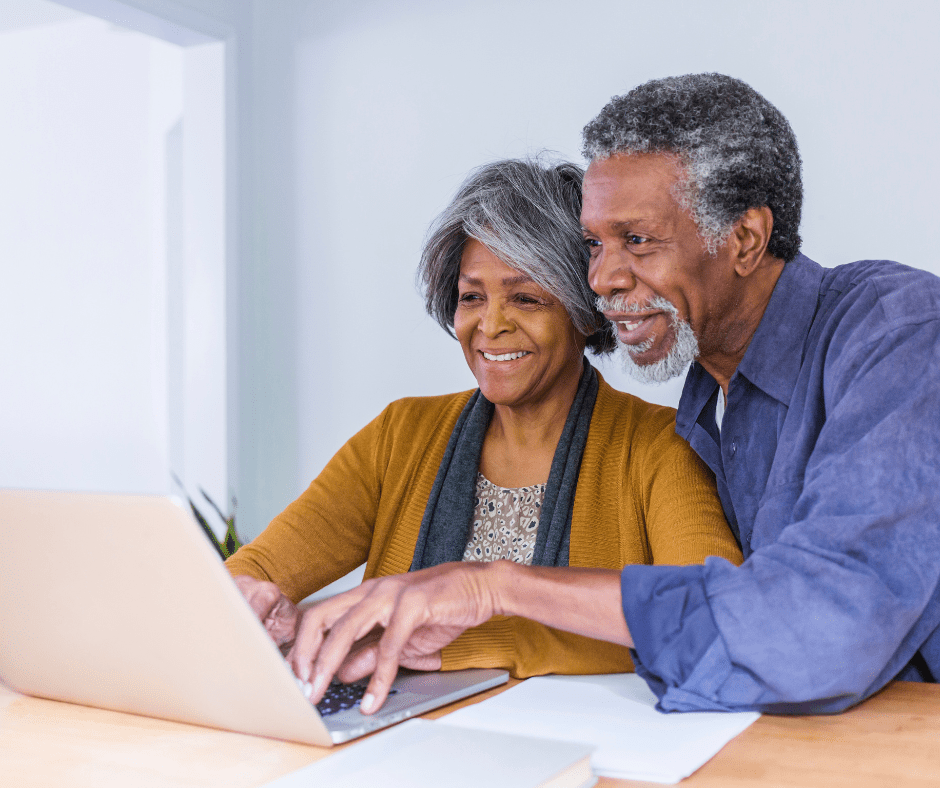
[[505, 522]]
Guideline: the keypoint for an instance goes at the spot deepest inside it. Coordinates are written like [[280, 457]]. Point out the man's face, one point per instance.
[[659, 286]]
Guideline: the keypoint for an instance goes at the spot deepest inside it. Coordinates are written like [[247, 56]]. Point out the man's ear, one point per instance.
[[749, 239]]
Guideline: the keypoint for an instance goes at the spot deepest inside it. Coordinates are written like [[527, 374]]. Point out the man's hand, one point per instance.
[[407, 619], [278, 614], [417, 615], [364, 654]]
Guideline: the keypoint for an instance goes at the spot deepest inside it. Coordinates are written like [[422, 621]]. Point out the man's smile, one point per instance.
[[630, 325], [634, 329]]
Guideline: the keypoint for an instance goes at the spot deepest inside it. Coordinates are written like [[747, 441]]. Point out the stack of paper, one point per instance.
[[423, 754], [617, 715]]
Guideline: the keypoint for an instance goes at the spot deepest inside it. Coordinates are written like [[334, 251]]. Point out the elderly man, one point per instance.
[[812, 396]]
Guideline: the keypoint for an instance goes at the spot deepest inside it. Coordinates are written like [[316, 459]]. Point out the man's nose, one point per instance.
[[611, 273]]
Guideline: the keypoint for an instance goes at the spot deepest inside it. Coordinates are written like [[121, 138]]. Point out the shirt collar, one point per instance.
[[697, 391], [774, 356], [773, 359]]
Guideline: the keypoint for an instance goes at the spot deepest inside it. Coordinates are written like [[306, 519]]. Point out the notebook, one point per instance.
[[120, 602]]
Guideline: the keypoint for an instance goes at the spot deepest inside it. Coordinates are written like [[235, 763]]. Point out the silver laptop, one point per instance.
[[120, 602]]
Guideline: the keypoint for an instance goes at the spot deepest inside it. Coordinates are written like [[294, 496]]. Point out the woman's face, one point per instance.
[[517, 338]]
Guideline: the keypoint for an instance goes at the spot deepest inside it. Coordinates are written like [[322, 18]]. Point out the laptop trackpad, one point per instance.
[[353, 718]]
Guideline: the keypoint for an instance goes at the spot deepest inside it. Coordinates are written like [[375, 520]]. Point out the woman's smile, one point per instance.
[[505, 356]]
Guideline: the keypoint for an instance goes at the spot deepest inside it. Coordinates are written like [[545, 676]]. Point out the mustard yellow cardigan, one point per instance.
[[643, 496]]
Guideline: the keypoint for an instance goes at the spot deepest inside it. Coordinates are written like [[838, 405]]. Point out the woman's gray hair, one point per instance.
[[738, 151], [527, 213]]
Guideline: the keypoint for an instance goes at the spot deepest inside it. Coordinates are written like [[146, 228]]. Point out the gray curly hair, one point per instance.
[[527, 213], [737, 149]]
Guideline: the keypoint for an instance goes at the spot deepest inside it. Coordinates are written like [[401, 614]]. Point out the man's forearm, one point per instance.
[[584, 601]]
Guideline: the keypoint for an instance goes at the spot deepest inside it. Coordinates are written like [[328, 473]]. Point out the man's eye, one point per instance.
[[636, 240]]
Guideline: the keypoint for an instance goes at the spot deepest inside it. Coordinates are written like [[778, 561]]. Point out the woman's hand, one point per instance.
[[278, 614], [399, 620]]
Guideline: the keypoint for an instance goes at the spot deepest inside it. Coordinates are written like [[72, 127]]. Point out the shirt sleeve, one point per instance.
[[841, 588]]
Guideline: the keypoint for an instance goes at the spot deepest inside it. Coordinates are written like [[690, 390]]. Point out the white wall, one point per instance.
[[197, 344], [350, 126], [113, 254], [394, 103], [82, 299]]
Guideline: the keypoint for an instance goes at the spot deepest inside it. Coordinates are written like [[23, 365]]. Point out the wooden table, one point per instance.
[[891, 741]]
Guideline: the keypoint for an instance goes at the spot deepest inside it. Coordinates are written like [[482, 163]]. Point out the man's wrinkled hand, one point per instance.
[[416, 614], [363, 657]]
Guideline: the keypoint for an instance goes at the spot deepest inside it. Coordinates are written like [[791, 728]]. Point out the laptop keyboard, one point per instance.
[[339, 697]]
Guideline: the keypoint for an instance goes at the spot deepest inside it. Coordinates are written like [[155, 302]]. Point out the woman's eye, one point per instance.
[[467, 298], [527, 299], [591, 243]]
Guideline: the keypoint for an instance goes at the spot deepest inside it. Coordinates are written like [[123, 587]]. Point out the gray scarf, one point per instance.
[[448, 517]]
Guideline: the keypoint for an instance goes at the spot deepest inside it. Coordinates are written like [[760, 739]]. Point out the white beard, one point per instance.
[[683, 351]]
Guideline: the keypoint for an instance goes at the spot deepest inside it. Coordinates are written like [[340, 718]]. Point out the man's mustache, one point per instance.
[[622, 304]]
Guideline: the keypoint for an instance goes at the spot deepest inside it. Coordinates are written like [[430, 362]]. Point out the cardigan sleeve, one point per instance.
[[526, 648], [327, 531], [675, 495], [668, 512]]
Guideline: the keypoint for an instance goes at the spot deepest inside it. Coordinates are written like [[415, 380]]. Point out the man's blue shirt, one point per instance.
[[828, 468]]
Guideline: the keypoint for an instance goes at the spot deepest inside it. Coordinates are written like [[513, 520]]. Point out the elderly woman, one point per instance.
[[543, 464]]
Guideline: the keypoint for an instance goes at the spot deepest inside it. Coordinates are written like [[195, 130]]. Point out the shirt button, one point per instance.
[[734, 447]]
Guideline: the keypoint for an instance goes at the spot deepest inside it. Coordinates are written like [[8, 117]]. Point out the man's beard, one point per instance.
[[684, 349]]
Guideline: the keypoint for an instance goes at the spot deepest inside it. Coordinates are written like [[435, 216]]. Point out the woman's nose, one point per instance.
[[495, 321]]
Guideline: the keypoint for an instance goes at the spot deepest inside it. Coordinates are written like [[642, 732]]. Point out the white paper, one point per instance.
[[617, 715], [424, 754]]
